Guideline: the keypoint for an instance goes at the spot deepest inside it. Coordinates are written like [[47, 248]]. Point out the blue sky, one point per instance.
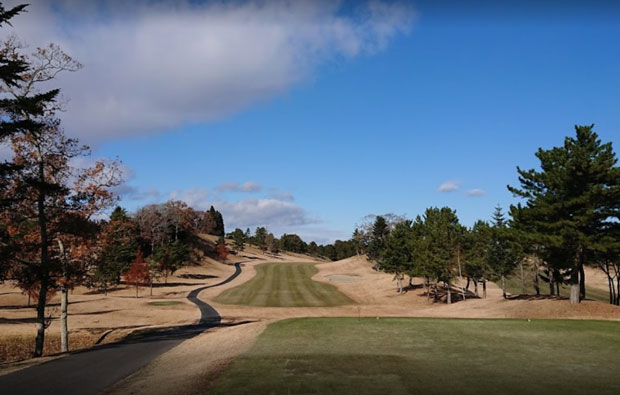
[[456, 95]]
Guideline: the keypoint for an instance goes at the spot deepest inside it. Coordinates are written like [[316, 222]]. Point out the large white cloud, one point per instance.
[[276, 214], [151, 66]]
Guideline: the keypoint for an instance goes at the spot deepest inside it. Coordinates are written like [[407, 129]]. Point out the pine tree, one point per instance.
[[503, 254], [379, 233], [396, 257], [572, 202]]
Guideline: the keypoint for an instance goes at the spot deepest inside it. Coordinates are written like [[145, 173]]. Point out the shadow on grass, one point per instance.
[[197, 276]]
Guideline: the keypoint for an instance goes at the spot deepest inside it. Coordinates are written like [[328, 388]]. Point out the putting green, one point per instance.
[[428, 356], [284, 284]]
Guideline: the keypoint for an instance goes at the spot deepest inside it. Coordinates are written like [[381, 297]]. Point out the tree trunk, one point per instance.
[[582, 282], [504, 286], [64, 329], [612, 297], [64, 300], [476, 287], [449, 294], [574, 286], [43, 270], [484, 288], [551, 284], [467, 285], [427, 286], [536, 286], [41, 325], [522, 278], [617, 290]]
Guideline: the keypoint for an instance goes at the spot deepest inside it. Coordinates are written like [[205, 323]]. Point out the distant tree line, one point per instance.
[[267, 242]]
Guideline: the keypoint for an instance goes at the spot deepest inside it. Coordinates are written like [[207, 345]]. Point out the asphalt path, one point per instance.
[[91, 371]]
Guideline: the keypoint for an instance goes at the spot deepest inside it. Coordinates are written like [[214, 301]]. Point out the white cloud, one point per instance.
[[152, 66], [449, 186], [475, 192], [249, 186], [251, 212], [283, 196]]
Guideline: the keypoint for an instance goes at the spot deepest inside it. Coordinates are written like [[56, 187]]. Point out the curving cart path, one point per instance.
[[91, 371]]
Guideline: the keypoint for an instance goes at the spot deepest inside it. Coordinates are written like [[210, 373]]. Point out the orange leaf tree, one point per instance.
[[138, 273]]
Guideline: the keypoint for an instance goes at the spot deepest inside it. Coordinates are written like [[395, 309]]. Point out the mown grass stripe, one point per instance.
[[284, 284]]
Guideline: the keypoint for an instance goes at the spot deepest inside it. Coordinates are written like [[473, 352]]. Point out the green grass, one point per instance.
[[284, 284], [428, 356], [165, 303]]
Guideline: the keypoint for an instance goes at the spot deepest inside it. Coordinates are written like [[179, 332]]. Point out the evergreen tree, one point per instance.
[[260, 238], [239, 239], [442, 235], [378, 235], [397, 255], [504, 254], [572, 202], [476, 247]]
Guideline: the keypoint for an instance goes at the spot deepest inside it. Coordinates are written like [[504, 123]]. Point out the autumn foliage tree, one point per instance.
[[222, 250], [138, 273], [47, 203]]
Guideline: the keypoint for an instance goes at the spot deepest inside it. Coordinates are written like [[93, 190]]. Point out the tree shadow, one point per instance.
[[197, 276], [95, 312], [535, 297], [172, 284], [29, 320], [17, 307]]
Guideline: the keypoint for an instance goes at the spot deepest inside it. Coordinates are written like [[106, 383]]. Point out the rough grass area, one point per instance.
[[428, 356], [284, 284], [164, 303], [20, 347], [514, 286]]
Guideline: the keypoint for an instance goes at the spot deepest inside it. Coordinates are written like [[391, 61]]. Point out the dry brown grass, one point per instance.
[[19, 347]]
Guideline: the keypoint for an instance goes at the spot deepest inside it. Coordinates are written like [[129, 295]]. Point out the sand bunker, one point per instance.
[[344, 278]]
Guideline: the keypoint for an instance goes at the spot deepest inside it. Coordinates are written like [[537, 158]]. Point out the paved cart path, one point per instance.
[[91, 371]]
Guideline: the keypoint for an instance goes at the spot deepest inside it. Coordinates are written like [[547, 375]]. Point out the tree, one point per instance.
[[260, 238], [118, 243], [222, 250], [504, 254], [213, 222], [138, 273], [238, 239], [293, 243], [170, 257], [378, 235], [397, 255], [476, 247], [441, 232], [45, 194], [571, 204]]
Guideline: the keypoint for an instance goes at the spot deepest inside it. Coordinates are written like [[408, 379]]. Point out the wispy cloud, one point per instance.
[[449, 186], [176, 62], [283, 196], [248, 186], [475, 192]]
